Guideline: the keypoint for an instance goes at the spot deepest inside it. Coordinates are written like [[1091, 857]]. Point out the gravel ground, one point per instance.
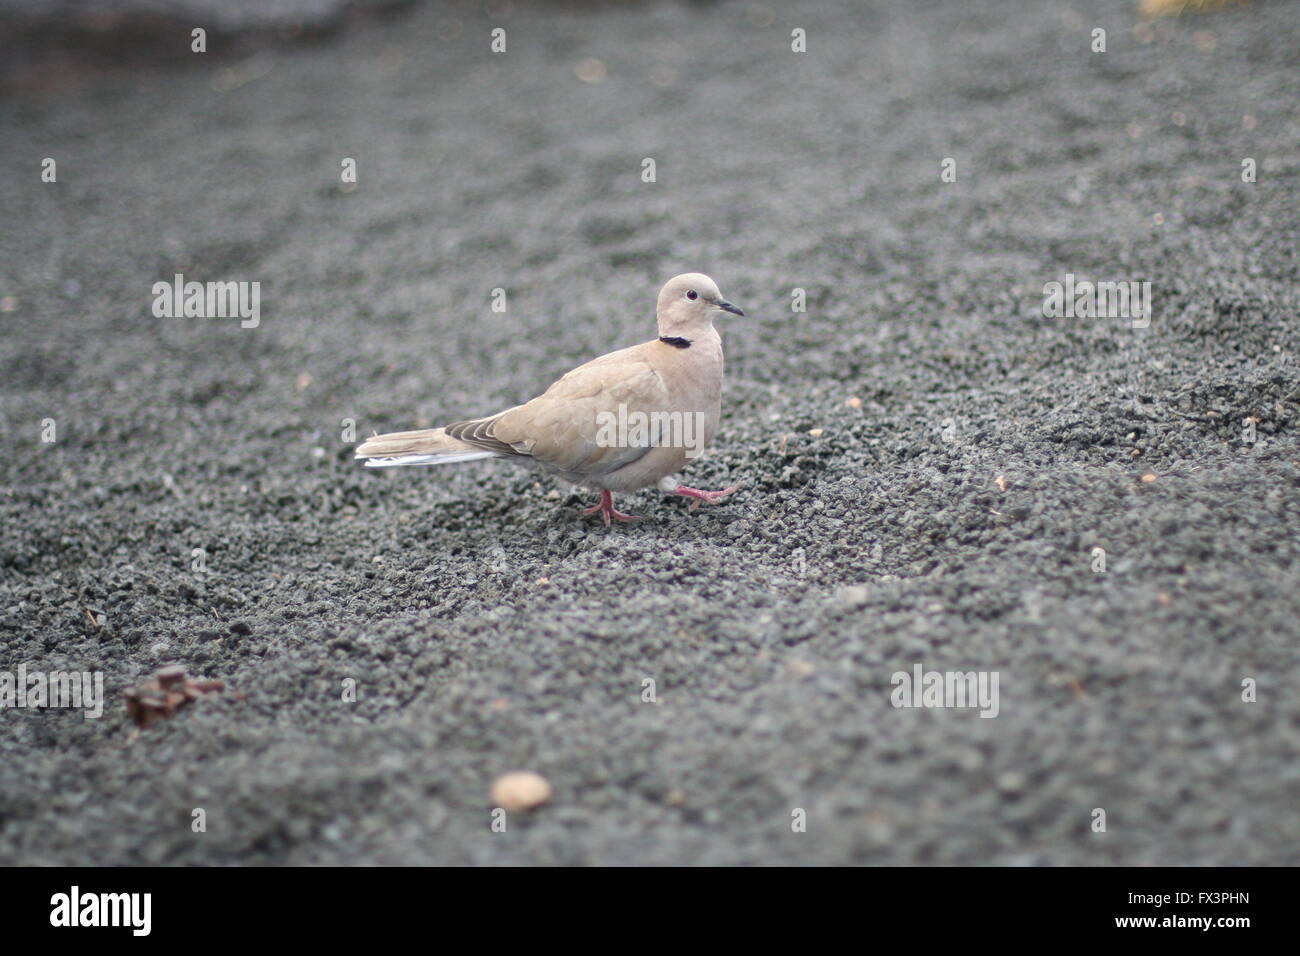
[[928, 462]]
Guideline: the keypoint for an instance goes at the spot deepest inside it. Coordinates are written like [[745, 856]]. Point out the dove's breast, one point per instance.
[[684, 420], [622, 421]]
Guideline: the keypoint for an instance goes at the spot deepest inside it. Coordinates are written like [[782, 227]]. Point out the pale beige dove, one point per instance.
[[624, 421]]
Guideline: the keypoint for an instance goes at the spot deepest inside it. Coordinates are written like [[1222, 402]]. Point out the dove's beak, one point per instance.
[[733, 309]]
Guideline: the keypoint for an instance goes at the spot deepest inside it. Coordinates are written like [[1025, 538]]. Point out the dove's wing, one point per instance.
[[568, 427]]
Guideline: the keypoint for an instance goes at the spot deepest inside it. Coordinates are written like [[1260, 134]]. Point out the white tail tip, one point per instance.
[[428, 459]]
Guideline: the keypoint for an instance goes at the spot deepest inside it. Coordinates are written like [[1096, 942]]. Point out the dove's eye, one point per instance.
[[692, 295]]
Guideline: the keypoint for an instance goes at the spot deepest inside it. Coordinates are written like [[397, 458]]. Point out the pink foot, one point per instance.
[[705, 497], [606, 509]]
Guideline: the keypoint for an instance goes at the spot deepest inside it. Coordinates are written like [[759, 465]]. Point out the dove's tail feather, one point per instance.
[[428, 459], [429, 446]]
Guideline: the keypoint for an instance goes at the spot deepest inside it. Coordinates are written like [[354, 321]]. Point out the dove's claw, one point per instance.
[[703, 497], [606, 509]]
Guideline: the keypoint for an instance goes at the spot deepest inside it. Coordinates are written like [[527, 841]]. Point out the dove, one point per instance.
[[622, 422]]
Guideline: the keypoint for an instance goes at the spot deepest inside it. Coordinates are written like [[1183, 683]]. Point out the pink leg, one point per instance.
[[706, 497], [606, 509]]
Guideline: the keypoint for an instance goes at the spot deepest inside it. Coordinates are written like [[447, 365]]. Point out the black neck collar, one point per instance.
[[675, 341]]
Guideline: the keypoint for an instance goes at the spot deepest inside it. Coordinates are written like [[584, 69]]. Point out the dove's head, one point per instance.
[[688, 303]]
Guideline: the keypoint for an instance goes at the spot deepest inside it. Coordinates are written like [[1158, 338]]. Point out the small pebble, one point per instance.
[[590, 70], [1011, 782], [520, 790], [853, 594]]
